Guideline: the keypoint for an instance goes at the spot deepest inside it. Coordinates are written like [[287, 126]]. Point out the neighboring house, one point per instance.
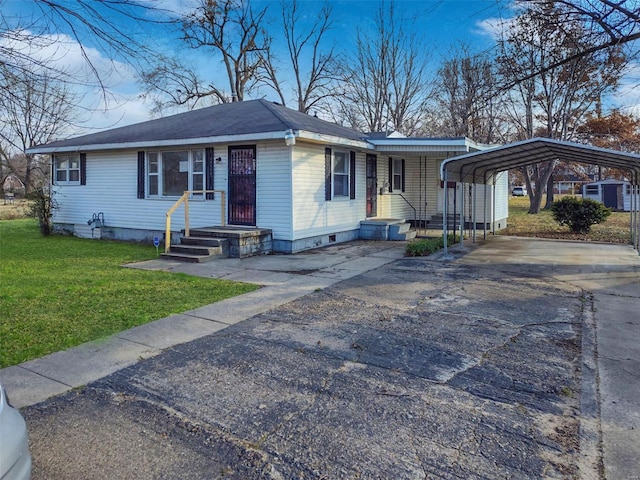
[[613, 193], [307, 181], [13, 185]]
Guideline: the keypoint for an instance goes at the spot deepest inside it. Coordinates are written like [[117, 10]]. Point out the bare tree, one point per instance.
[[311, 62], [609, 24], [231, 31], [23, 38], [552, 102], [467, 97], [386, 81], [39, 109]]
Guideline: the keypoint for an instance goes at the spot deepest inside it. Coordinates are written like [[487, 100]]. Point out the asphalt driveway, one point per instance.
[[421, 368]]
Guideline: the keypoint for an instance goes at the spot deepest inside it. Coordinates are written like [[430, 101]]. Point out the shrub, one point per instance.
[[579, 214], [427, 246], [42, 206]]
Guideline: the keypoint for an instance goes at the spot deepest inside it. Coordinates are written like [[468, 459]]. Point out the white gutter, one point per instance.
[[251, 137]]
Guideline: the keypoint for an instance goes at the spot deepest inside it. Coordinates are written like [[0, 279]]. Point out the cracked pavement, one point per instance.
[[418, 369]]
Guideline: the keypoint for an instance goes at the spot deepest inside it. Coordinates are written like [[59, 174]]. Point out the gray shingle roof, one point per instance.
[[229, 119]]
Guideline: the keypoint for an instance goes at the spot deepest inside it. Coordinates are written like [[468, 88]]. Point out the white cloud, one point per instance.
[[107, 90], [493, 27], [627, 95]]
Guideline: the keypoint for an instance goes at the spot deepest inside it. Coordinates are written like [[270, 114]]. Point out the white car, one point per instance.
[[519, 192], [15, 459]]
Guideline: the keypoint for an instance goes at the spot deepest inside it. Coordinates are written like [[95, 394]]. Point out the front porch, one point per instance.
[[208, 243]]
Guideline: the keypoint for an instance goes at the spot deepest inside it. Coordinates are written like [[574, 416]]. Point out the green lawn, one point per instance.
[[57, 292], [521, 223]]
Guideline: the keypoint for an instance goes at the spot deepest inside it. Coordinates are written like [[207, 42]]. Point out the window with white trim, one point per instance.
[[397, 174], [171, 173], [67, 169], [340, 174]]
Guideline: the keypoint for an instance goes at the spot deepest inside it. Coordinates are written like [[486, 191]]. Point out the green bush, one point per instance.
[[579, 214], [427, 246]]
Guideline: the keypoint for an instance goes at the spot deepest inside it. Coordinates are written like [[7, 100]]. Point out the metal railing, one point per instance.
[[185, 199], [415, 212]]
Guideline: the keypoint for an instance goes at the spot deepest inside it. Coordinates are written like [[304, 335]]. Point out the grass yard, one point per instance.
[[520, 223], [60, 291]]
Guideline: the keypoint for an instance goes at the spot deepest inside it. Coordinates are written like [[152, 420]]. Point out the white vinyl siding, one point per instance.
[[312, 214], [112, 177], [273, 189]]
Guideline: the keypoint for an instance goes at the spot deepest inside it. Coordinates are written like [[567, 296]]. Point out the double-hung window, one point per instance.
[[171, 173], [67, 169], [396, 175], [340, 174]]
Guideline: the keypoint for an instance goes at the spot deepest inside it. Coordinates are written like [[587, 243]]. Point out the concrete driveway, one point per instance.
[[485, 366]]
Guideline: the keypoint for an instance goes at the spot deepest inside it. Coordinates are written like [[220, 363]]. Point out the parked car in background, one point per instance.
[[519, 192], [15, 458]]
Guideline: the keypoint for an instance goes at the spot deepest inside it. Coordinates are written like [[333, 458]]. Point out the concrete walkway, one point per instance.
[[284, 278]]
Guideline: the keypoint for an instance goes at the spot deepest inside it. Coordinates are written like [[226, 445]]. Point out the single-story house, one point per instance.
[[302, 181], [613, 193]]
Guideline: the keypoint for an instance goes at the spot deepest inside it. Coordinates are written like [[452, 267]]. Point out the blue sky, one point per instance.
[[443, 24]]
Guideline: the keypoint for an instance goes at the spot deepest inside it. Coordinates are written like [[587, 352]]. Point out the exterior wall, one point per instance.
[[313, 216], [273, 189], [111, 188], [417, 172], [599, 197]]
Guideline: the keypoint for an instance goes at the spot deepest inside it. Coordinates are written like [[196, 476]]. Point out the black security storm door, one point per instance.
[[242, 185]]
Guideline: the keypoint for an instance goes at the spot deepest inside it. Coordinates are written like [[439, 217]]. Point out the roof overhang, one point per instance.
[[481, 167], [425, 146], [224, 139]]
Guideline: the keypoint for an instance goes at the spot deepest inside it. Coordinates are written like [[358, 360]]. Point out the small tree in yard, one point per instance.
[[42, 205], [579, 214]]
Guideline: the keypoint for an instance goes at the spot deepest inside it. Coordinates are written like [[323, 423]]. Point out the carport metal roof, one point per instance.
[[481, 167]]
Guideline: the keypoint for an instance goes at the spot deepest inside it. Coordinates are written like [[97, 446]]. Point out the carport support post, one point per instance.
[[493, 206], [461, 213], [484, 223], [445, 223]]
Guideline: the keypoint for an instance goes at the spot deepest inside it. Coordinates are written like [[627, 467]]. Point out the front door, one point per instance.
[[242, 185], [372, 186]]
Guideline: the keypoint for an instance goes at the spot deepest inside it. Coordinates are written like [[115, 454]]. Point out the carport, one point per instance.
[[482, 168]]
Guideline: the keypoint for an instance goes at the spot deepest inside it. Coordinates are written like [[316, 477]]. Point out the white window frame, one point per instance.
[[397, 174], [342, 175], [157, 174], [70, 160]]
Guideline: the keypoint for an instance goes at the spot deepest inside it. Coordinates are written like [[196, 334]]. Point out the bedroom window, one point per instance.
[[397, 174], [67, 169], [171, 173], [340, 174]]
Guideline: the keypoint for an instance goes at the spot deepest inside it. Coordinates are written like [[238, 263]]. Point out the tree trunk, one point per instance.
[[550, 194]]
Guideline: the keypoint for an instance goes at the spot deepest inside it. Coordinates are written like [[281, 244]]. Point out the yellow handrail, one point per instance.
[[185, 199]]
